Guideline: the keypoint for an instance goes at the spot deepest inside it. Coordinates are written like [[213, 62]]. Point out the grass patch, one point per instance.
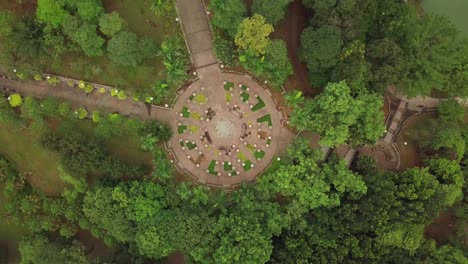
[[228, 85], [265, 118], [227, 167], [211, 168], [244, 87], [251, 147], [195, 116], [191, 145], [241, 156], [22, 147], [245, 97], [228, 97], [247, 165], [193, 129], [259, 154], [181, 129], [259, 105], [200, 99]]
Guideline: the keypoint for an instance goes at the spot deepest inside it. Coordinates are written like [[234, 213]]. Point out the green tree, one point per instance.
[[307, 185], [387, 63], [175, 60], [451, 179], [322, 6], [147, 47], [228, 15], [51, 11], [6, 19], [39, 250], [81, 113], [273, 12], [7, 114], [28, 40], [253, 34], [123, 49], [15, 100], [31, 109], [104, 216], [449, 139], [369, 126], [456, 82], [225, 50], [338, 116], [278, 66], [89, 10], [353, 68], [161, 163], [49, 107], [64, 109], [273, 66], [111, 23], [451, 111], [320, 50], [161, 91], [86, 36], [431, 51]]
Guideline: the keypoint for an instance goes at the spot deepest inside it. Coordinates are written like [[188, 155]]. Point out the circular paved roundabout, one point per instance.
[[227, 127]]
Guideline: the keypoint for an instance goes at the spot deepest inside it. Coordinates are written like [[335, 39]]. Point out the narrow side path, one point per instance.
[[94, 101]]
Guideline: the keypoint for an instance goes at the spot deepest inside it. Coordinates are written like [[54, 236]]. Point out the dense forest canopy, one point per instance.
[[303, 208]]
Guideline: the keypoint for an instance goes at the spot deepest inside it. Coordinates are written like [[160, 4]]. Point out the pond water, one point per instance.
[[455, 9]]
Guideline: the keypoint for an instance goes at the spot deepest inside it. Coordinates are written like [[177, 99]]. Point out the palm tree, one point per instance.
[[28, 40], [160, 91], [175, 60]]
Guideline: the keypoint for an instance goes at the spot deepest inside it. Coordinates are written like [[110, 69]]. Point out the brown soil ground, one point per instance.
[[289, 30], [94, 247], [26, 7], [441, 228]]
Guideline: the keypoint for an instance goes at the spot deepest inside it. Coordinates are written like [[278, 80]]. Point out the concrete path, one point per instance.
[[197, 32]]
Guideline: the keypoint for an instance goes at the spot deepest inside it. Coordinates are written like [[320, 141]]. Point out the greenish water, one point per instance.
[[457, 10]]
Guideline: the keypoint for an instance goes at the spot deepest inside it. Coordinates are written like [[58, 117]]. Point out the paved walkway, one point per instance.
[[197, 32], [232, 135]]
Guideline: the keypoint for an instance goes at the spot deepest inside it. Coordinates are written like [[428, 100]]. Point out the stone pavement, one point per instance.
[[197, 31], [195, 130]]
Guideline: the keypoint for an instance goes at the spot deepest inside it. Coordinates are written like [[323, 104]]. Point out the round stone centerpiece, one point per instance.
[[224, 128]]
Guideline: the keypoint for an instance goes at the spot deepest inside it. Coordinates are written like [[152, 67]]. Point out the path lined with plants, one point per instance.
[[93, 101]]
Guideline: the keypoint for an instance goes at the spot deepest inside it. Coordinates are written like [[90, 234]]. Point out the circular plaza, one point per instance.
[[227, 129]]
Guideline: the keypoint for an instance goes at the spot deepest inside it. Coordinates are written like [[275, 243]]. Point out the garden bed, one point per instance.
[[265, 118]]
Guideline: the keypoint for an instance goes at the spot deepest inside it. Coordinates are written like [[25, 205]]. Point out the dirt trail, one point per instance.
[[94, 101], [290, 30]]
